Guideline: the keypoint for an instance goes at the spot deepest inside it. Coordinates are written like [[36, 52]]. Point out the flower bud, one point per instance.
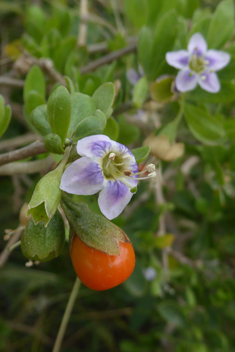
[[94, 230], [161, 148], [43, 243]]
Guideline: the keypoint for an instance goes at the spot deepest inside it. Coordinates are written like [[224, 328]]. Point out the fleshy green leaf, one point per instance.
[[59, 111], [145, 48], [90, 125], [163, 41], [5, 116], [140, 92], [104, 97], [204, 127], [38, 119], [172, 313], [222, 25], [111, 129], [141, 153], [128, 133], [35, 81], [32, 100], [136, 11], [47, 194], [62, 52], [82, 106], [53, 144], [225, 95]]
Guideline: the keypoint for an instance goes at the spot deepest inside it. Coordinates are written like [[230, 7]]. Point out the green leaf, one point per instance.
[[161, 90], [47, 194], [62, 52], [164, 241], [172, 313], [35, 81], [59, 112], [90, 125], [69, 85], [38, 119], [222, 25], [35, 22], [136, 11], [225, 95], [140, 92], [104, 97], [128, 133], [145, 49], [53, 143], [163, 41], [82, 106], [32, 100], [141, 153], [111, 129], [5, 116], [136, 284], [204, 127]]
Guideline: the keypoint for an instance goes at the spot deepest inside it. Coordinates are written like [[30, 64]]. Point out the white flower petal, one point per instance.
[[96, 146], [185, 80], [217, 59], [113, 198], [178, 59], [197, 45], [83, 177], [209, 81]]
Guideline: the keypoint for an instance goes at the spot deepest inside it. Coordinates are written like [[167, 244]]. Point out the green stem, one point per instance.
[[66, 316]]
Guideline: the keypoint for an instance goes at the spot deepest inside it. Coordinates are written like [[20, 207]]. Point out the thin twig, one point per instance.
[[11, 82], [183, 259], [19, 141], [5, 253], [82, 33], [66, 316], [27, 167], [23, 153], [115, 55]]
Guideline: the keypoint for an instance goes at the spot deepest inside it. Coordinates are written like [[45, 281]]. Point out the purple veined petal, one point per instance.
[[197, 45], [95, 146], [178, 59], [83, 177], [185, 81], [209, 81], [113, 198], [216, 59], [132, 76]]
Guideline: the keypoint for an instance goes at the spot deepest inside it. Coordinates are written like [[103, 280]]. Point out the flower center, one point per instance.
[[118, 167], [114, 165], [197, 64]]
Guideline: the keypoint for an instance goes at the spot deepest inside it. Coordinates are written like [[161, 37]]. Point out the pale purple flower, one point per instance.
[[197, 65], [150, 273], [133, 76], [105, 166]]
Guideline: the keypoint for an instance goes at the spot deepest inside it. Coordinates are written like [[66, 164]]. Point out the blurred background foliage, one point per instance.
[[181, 296]]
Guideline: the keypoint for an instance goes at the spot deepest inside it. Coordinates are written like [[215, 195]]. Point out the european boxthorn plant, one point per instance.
[[95, 97]]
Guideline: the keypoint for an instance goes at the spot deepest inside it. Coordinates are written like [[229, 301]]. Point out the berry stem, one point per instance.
[[66, 316]]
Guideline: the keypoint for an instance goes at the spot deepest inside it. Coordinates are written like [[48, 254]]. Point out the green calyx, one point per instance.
[[43, 243], [94, 230]]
